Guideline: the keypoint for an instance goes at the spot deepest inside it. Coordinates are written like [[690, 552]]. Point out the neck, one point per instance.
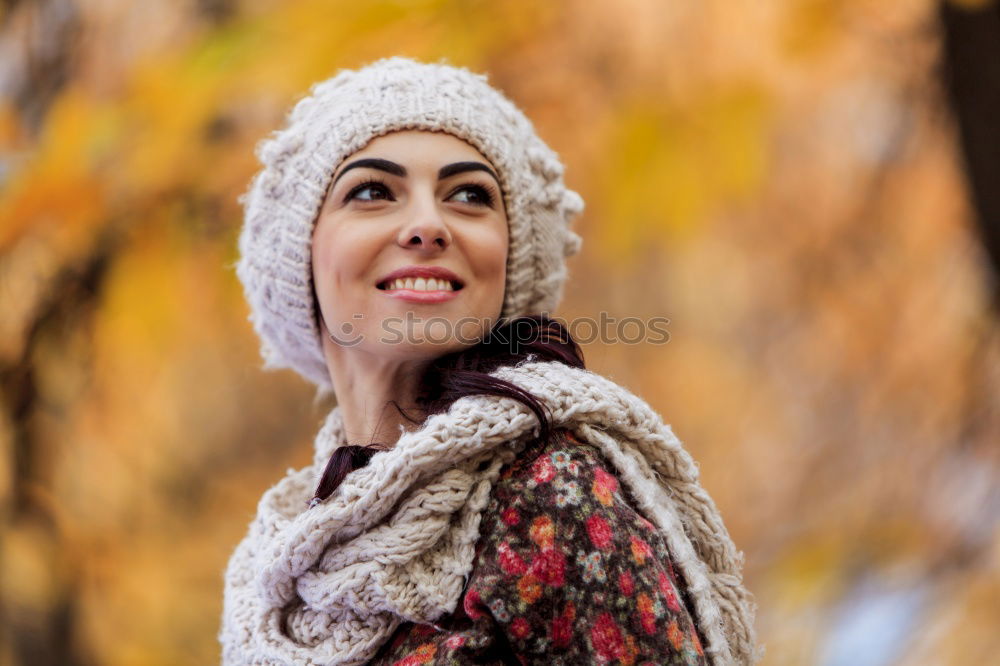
[[366, 387]]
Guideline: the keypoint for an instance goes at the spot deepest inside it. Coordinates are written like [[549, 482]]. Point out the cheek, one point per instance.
[[488, 259], [340, 256], [325, 260], [489, 254]]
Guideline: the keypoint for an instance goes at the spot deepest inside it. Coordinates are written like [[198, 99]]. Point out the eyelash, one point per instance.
[[487, 192]]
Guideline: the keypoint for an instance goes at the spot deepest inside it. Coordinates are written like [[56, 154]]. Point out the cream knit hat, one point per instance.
[[338, 118]]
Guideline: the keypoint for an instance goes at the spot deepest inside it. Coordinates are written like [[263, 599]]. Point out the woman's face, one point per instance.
[[409, 252]]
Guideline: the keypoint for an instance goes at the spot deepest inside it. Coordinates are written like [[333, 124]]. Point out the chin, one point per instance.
[[420, 350]]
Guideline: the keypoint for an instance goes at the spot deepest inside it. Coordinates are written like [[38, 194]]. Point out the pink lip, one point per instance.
[[414, 296], [424, 272]]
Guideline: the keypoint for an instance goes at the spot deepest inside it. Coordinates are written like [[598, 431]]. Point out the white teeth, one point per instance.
[[421, 284]]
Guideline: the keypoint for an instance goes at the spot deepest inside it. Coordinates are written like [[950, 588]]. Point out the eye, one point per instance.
[[371, 189], [477, 195]]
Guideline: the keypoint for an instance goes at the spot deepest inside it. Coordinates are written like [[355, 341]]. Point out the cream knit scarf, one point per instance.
[[396, 541]]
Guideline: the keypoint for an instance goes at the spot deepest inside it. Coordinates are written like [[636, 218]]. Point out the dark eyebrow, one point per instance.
[[462, 167], [372, 163], [399, 170]]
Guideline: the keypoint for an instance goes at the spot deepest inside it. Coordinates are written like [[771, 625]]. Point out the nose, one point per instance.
[[425, 228]]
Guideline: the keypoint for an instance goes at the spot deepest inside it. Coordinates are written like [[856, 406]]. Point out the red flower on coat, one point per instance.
[[520, 628], [529, 588], [675, 634], [510, 516], [562, 626], [454, 642], [599, 531], [626, 584], [606, 637], [472, 604], [646, 616], [640, 550], [542, 532], [604, 486], [510, 562], [423, 654], [549, 567], [667, 588], [543, 470]]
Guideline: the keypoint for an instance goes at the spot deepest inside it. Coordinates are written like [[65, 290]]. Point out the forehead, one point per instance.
[[420, 145]]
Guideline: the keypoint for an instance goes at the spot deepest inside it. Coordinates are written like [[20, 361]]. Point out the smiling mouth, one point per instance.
[[420, 284]]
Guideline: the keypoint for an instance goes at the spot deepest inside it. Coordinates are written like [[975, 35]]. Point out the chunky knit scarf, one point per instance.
[[396, 541]]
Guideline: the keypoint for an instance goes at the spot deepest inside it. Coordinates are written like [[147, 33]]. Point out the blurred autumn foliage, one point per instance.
[[784, 180]]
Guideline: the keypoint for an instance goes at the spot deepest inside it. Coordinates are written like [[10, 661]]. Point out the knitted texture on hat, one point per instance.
[[339, 117], [396, 541]]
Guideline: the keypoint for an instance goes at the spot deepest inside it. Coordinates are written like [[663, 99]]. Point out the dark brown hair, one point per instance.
[[467, 372]]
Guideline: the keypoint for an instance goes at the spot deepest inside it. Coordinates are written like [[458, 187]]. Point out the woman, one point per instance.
[[476, 496]]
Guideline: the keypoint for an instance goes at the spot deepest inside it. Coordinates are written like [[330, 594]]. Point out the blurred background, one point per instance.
[[808, 189]]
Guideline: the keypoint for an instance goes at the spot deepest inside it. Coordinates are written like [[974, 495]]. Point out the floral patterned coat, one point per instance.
[[566, 572]]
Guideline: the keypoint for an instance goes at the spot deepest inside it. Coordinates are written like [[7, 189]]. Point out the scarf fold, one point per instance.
[[396, 541]]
